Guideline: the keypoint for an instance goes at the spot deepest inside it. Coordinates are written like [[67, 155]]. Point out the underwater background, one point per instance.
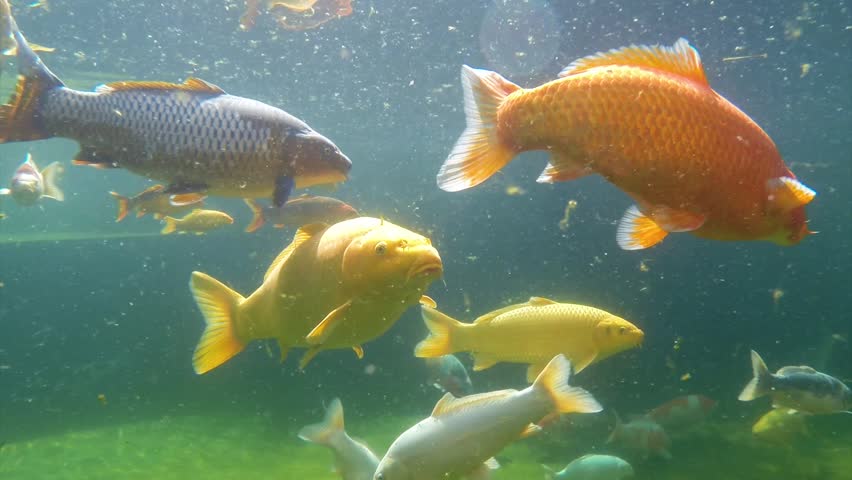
[[97, 324]]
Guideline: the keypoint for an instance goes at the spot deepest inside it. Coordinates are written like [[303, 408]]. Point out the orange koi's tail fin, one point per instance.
[[18, 116], [219, 305], [257, 220], [322, 433], [123, 206], [171, 225], [478, 153], [442, 331], [553, 381]]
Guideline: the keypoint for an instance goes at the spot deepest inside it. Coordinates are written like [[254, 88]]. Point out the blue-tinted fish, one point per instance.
[[29, 185], [592, 467], [299, 211], [191, 136], [798, 388], [448, 374]]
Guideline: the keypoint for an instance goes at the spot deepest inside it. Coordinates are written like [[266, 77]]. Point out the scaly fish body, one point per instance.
[[192, 136], [683, 412], [154, 200], [197, 221], [333, 287], [532, 333], [645, 119], [300, 211], [593, 467]]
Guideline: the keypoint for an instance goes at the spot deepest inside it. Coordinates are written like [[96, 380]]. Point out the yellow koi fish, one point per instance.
[[197, 221]]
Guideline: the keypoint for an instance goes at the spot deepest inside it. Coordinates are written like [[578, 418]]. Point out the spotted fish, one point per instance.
[[191, 136]]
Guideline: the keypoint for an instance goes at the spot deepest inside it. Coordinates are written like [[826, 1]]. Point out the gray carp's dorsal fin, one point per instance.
[[305, 233], [795, 369], [191, 84]]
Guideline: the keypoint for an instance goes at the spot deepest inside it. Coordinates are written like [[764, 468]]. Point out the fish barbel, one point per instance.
[[191, 136]]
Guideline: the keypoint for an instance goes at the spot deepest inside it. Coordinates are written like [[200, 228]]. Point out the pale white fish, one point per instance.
[[592, 467], [353, 460]]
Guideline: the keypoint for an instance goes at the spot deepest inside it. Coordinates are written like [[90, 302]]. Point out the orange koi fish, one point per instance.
[[646, 119]]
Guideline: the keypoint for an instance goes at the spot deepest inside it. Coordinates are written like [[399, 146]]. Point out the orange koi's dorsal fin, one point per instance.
[[788, 193], [191, 84], [680, 59], [302, 235]]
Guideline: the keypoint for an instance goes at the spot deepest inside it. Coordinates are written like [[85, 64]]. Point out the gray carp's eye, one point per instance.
[[381, 249]]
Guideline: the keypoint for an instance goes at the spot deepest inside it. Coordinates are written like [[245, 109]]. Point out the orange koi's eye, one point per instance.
[[381, 248]]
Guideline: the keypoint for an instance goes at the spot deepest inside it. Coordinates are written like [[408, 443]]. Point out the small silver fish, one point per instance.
[[798, 388], [29, 185], [448, 374], [592, 467], [353, 459], [462, 435]]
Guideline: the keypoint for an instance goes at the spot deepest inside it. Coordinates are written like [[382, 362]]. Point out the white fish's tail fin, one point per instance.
[[219, 305], [321, 433], [549, 473], [566, 399], [257, 219], [762, 381], [478, 153], [51, 176], [441, 333]]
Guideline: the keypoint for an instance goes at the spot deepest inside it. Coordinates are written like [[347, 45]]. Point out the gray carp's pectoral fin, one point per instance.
[[326, 327], [91, 158], [284, 185], [184, 188]]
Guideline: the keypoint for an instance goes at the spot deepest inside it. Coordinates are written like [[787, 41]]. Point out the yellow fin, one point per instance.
[[680, 59], [326, 327], [450, 404], [219, 305], [190, 85], [13, 51], [257, 218], [531, 430], [305, 233], [496, 313], [51, 176], [171, 225], [185, 199], [788, 193], [541, 302], [534, 370], [308, 356], [563, 168], [359, 351], [553, 381], [442, 330], [427, 300], [322, 433], [636, 231], [283, 349], [481, 361], [581, 360], [478, 154], [123, 206]]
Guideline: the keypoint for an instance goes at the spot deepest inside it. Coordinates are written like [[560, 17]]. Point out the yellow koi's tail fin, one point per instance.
[[123, 206], [219, 305], [553, 380], [171, 225], [257, 220], [18, 116], [51, 176], [442, 330], [322, 433], [478, 153], [761, 384]]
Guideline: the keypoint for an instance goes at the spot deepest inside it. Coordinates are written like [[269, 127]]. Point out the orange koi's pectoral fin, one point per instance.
[[186, 199], [788, 193], [637, 231], [560, 170], [191, 84], [679, 59], [479, 153], [326, 327]]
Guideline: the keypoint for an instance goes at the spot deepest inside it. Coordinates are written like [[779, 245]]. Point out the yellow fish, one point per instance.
[[531, 333], [333, 287], [780, 425], [197, 221]]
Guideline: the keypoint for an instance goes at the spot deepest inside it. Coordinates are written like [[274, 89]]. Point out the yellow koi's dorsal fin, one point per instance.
[[680, 59], [191, 84], [449, 404], [496, 313], [428, 301], [540, 302], [305, 233]]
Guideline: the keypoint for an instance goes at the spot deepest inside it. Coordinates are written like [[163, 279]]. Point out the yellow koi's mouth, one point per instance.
[[430, 269]]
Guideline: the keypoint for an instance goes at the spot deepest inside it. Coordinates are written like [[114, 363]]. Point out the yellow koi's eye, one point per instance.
[[622, 331], [381, 248], [403, 243]]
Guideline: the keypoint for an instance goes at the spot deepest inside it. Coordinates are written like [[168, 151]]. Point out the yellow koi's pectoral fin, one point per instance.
[[637, 231], [283, 349], [428, 301], [305, 233], [581, 360], [326, 327], [308, 356], [787, 193], [482, 361], [680, 59], [359, 351]]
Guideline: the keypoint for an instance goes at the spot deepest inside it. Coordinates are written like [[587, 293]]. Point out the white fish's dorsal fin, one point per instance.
[[540, 302], [496, 313], [449, 404], [305, 233], [680, 59], [789, 370]]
